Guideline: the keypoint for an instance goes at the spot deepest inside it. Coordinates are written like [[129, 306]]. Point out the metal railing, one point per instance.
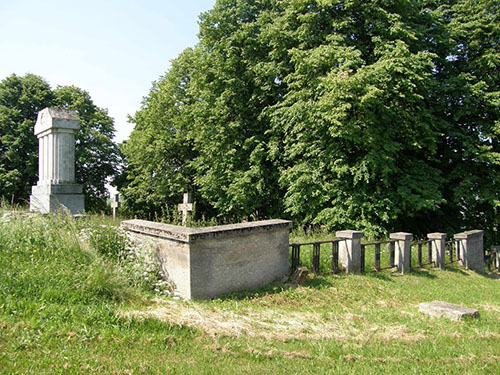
[[492, 258], [377, 254], [452, 247], [316, 255], [423, 256], [420, 245]]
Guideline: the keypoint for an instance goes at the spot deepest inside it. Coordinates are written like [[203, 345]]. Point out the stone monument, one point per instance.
[[56, 187]]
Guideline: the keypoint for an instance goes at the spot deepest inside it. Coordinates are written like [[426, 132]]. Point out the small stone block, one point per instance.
[[349, 234], [469, 234], [403, 236], [447, 310], [81, 216], [299, 275]]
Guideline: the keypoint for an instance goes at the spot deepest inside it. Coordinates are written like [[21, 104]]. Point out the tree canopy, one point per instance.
[[373, 115], [21, 98]]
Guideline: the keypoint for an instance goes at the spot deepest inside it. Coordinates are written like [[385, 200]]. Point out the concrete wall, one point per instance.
[[175, 263], [209, 262], [471, 249]]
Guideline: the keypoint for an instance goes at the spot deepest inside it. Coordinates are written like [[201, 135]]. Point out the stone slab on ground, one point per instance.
[[447, 310]]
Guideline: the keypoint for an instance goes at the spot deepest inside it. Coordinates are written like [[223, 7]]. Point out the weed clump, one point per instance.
[[51, 262], [134, 257]]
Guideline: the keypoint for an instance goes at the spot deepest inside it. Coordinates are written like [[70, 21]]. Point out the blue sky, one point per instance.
[[113, 49]]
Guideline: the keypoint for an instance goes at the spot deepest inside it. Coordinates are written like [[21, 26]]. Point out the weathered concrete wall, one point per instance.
[[175, 263], [239, 262], [471, 249], [208, 262]]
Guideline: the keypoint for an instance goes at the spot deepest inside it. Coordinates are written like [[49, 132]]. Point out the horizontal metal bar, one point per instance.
[[383, 268], [421, 242], [378, 243], [313, 243]]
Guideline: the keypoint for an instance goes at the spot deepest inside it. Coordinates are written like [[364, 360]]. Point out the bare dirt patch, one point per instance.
[[273, 324]]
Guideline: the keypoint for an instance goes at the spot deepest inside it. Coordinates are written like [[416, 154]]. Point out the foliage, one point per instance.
[[96, 155], [378, 116], [356, 104], [159, 152], [136, 258], [469, 155], [21, 98]]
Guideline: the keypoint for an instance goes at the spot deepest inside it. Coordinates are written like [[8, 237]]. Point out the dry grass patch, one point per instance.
[[273, 324], [490, 307]]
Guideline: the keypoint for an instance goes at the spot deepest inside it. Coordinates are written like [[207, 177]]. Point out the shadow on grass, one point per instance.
[[384, 276], [462, 271], [422, 272], [322, 281], [456, 270], [327, 280], [493, 276]]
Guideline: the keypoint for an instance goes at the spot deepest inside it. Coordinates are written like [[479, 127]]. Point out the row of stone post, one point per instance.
[[470, 250]]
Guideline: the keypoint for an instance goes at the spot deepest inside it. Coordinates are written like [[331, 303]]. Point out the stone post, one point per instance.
[[496, 257], [438, 241], [471, 250], [56, 187], [402, 251], [350, 250]]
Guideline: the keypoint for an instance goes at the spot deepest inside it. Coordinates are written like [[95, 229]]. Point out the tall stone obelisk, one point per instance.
[[56, 187]]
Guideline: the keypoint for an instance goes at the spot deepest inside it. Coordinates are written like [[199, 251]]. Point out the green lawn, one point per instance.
[[68, 304]]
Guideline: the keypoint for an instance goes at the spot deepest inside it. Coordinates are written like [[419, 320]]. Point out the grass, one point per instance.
[[68, 306]]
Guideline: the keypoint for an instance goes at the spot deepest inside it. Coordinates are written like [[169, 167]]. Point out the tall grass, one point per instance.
[[46, 267]]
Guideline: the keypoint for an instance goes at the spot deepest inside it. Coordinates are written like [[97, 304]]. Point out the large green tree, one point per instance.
[[374, 115], [355, 130], [96, 155], [469, 153], [159, 151], [21, 98]]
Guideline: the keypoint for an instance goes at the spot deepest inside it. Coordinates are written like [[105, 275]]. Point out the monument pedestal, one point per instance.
[[50, 198], [56, 187]]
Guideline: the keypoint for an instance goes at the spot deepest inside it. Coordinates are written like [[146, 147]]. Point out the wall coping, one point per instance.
[[189, 235], [349, 234], [401, 236], [436, 236], [469, 234]]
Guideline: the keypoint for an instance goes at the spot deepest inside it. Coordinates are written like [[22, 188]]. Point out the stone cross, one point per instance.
[[185, 207], [115, 203]]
